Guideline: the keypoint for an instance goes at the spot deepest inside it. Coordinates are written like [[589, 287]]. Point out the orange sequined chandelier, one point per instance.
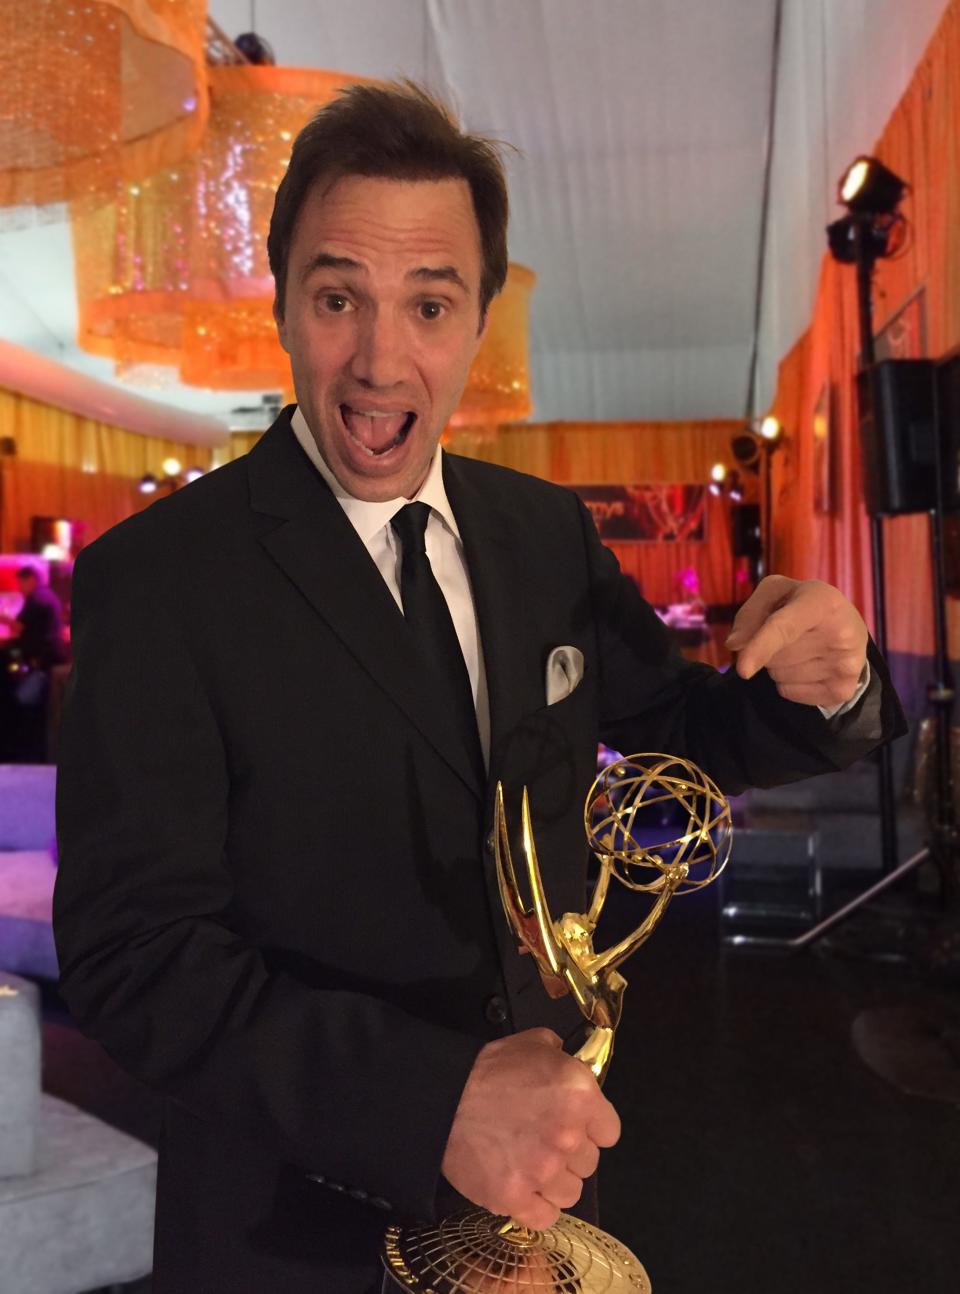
[[96, 92], [174, 272], [498, 385]]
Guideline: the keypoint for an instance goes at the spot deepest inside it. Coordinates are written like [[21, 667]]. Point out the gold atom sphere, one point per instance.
[[622, 805]]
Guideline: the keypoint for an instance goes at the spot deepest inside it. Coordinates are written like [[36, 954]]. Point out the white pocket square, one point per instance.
[[564, 672]]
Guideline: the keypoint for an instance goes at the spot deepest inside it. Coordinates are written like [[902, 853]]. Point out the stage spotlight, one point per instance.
[[771, 429], [148, 484], [172, 466], [882, 237], [746, 450], [868, 187], [718, 472], [874, 228], [193, 473]]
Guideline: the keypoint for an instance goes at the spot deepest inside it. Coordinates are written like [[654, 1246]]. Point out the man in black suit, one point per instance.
[[35, 645], [37, 628], [292, 695]]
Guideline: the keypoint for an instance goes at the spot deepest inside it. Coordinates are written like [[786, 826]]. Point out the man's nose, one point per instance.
[[380, 358]]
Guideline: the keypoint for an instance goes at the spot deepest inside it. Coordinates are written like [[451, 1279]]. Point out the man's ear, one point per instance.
[[281, 325]]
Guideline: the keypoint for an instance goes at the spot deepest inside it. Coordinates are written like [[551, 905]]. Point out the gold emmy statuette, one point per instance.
[[475, 1252]]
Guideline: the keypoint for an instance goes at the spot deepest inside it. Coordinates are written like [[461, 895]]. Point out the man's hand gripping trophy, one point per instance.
[[480, 1252]]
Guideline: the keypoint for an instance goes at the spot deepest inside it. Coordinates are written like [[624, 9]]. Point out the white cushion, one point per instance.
[[85, 1217]]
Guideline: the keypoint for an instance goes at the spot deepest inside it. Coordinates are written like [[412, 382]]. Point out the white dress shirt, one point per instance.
[[371, 521]]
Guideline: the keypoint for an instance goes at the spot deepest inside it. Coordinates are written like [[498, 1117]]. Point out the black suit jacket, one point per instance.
[[276, 901]]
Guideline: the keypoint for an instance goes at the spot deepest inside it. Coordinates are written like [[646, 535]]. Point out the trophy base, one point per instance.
[[475, 1252]]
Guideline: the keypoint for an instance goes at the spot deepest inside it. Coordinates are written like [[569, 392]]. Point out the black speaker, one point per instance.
[[747, 536], [948, 417], [897, 404]]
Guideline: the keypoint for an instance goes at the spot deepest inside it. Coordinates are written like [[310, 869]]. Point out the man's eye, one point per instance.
[[334, 303], [431, 309]]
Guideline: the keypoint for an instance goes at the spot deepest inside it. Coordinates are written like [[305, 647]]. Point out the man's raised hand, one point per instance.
[[811, 640], [528, 1129]]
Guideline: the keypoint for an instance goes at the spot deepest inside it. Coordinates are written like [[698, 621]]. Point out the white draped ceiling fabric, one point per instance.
[[637, 190]]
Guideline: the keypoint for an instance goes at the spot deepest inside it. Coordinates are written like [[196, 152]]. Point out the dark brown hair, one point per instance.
[[398, 132]]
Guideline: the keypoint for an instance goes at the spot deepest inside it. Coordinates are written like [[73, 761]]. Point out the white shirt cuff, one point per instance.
[[834, 711]]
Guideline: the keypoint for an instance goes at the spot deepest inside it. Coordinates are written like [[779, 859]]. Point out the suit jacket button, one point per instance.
[[489, 843], [496, 1010]]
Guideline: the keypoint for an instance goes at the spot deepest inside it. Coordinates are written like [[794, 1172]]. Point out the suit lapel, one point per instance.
[[499, 578], [319, 550]]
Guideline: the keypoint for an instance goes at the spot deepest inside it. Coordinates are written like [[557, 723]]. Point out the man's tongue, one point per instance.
[[375, 432]]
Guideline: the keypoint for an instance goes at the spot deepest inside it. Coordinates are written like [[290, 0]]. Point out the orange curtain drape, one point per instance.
[[921, 143], [66, 465]]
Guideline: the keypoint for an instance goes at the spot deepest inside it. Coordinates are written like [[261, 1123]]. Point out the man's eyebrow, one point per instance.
[[326, 261], [440, 274]]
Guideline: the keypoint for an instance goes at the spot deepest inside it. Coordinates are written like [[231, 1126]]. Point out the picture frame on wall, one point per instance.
[[903, 335], [641, 513]]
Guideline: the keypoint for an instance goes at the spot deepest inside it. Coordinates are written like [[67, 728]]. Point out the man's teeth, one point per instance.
[[375, 453]]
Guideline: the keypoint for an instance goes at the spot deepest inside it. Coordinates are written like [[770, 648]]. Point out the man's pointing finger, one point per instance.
[[802, 612]]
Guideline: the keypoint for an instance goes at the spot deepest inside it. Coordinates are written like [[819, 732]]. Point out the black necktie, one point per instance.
[[426, 612]]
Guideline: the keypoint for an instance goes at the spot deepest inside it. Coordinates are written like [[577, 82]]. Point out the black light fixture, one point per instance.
[[869, 187], [874, 229], [746, 451], [882, 236], [255, 49]]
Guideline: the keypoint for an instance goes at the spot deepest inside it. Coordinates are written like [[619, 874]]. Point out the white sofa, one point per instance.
[[76, 1196]]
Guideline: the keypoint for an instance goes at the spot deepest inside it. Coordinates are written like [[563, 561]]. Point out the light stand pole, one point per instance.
[[865, 260], [767, 509], [941, 693], [768, 439]]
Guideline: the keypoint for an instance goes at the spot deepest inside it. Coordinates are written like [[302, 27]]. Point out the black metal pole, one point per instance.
[[941, 692], [885, 790], [767, 450]]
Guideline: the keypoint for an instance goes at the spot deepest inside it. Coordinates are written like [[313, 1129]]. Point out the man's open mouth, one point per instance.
[[377, 431]]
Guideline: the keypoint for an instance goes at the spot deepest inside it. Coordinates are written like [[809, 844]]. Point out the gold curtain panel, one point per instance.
[[67, 465], [93, 92]]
